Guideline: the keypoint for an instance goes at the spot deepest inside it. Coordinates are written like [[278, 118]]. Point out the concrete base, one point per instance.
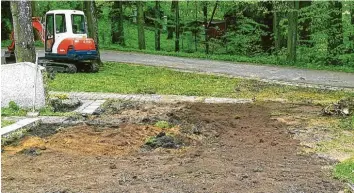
[[32, 114]]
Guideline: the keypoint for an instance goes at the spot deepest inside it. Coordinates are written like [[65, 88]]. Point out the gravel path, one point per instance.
[[150, 97], [273, 73], [286, 74]]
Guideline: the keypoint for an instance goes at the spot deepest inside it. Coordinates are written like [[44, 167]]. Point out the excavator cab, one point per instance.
[[66, 35]]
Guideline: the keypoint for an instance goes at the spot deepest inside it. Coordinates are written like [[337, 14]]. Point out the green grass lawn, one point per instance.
[[127, 79], [5, 123], [15, 110], [345, 170]]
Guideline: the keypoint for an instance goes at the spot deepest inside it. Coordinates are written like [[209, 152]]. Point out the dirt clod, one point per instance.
[[161, 134], [31, 151], [164, 141], [112, 166]]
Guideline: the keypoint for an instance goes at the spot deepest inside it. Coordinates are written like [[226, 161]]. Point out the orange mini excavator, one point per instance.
[[66, 45]]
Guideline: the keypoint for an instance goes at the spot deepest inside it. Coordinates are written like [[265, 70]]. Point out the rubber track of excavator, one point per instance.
[[56, 66]]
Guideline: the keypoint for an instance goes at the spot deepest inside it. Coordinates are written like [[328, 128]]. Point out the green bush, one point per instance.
[[162, 124], [13, 110], [13, 106]]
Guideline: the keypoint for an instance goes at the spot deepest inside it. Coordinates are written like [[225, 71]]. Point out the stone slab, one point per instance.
[[17, 84], [85, 104], [18, 125], [52, 119], [226, 100], [91, 108], [177, 98]]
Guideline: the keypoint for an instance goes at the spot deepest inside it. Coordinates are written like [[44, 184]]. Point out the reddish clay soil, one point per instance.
[[237, 148]]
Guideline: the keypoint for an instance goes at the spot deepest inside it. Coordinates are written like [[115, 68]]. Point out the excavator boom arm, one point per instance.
[[37, 25]]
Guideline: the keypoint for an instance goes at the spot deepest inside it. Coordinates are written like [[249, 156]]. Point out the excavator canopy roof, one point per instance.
[[65, 12]]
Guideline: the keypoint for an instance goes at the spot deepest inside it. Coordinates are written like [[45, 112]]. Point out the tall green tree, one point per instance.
[[305, 25], [141, 32], [292, 30], [157, 26], [205, 14], [177, 26], [277, 30], [348, 25], [171, 21], [266, 19], [92, 26], [117, 21], [351, 36], [278, 15], [33, 4], [25, 50], [6, 20], [335, 32]]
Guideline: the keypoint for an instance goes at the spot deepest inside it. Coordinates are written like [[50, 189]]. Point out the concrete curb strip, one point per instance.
[[150, 98], [19, 125]]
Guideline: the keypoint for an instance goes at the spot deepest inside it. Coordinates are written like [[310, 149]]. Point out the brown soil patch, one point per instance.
[[89, 140], [26, 143], [241, 148]]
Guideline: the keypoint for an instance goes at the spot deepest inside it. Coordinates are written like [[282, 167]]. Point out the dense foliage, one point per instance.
[[320, 32]]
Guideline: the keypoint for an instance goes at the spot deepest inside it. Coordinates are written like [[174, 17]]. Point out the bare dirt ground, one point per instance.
[[226, 148]]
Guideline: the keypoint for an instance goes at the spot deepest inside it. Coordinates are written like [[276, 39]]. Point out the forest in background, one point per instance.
[[298, 33]]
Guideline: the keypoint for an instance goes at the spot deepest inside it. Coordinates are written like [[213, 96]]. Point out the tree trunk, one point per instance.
[[23, 31], [195, 27], [279, 39], [205, 13], [336, 27], [33, 4], [177, 27], [351, 38], [276, 31], [304, 33], [157, 25], [335, 35], [92, 26], [117, 20], [213, 13], [267, 42], [141, 33], [292, 30], [171, 22], [348, 27]]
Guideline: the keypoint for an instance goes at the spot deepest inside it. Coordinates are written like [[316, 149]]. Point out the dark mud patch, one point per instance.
[[164, 141], [32, 151], [44, 130]]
